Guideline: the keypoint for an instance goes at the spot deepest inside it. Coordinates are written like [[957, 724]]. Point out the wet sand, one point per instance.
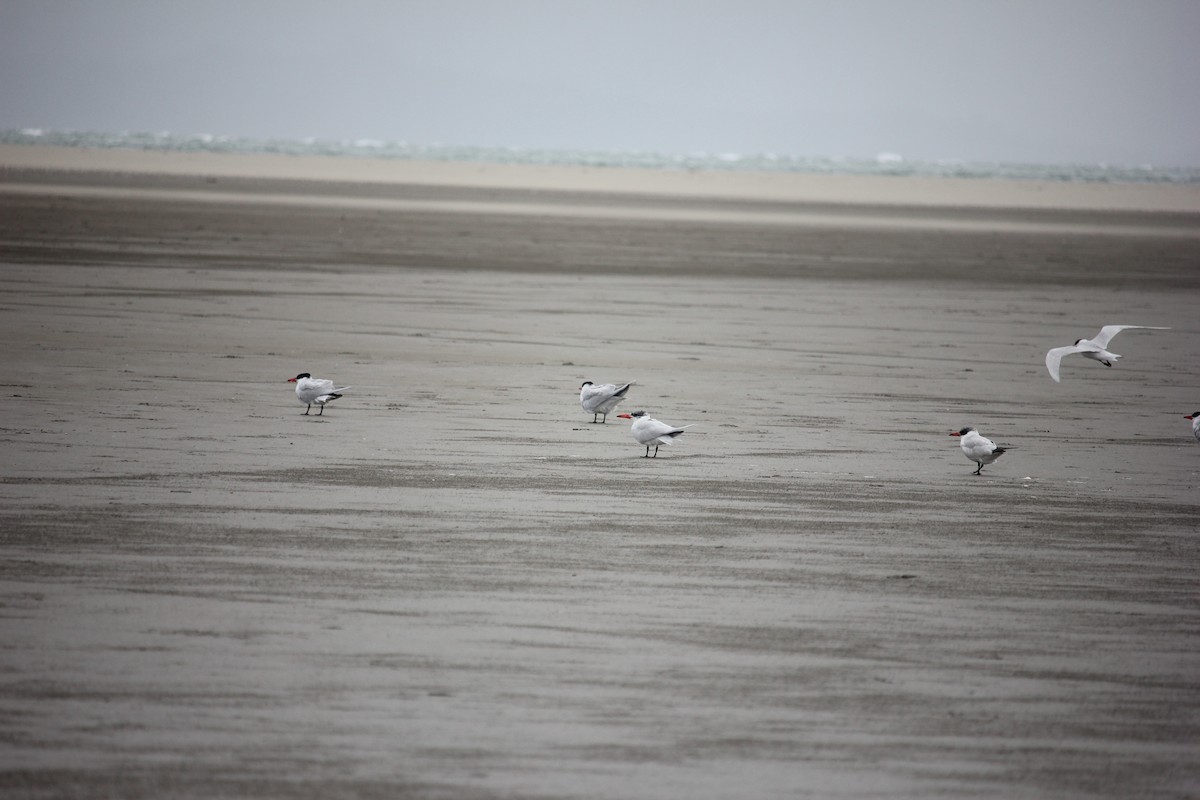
[[452, 585]]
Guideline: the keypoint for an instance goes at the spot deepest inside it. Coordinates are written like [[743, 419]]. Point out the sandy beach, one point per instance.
[[453, 585]]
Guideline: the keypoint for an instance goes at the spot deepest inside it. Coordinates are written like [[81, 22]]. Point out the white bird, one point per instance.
[[1095, 349], [1195, 418], [597, 400], [310, 390], [649, 431], [978, 448]]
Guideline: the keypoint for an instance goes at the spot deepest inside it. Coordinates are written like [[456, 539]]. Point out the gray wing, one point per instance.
[[1054, 357], [649, 429], [1109, 331], [593, 396], [661, 430]]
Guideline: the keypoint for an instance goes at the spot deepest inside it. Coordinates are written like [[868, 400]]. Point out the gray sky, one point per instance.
[[999, 80]]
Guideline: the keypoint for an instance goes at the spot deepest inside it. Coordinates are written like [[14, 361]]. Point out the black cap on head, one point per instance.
[[637, 414], [585, 383], [303, 375], [965, 431]]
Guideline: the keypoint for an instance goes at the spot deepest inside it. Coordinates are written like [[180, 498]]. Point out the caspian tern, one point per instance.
[[978, 448], [310, 390], [649, 431], [1195, 418], [1095, 349], [597, 400]]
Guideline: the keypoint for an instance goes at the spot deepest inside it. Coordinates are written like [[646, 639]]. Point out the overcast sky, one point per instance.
[[989, 80]]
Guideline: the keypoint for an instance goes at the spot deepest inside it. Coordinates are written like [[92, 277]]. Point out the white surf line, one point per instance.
[[928, 219]]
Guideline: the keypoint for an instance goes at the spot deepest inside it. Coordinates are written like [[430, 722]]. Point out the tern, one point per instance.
[[310, 390], [978, 448], [597, 400], [1195, 418], [1095, 349], [649, 431]]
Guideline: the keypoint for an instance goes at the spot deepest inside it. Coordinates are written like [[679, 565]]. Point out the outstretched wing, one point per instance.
[[1109, 331], [1054, 357]]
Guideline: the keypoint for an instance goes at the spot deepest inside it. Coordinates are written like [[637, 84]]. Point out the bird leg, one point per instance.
[[655, 451], [321, 413], [647, 452], [306, 409], [978, 469], [594, 417]]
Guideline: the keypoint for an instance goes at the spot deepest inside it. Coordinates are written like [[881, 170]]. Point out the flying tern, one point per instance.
[[1095, 349], [599, 400], [649, 431], [318, 391], [978, 448]]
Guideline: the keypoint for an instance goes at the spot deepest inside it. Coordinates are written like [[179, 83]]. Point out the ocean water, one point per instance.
[[881, 164]]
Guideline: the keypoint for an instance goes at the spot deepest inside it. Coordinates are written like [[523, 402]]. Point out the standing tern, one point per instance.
[[649, 431], [1195, 418], [978, 448], [597, 400], [310, 390], [1095, 349]]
